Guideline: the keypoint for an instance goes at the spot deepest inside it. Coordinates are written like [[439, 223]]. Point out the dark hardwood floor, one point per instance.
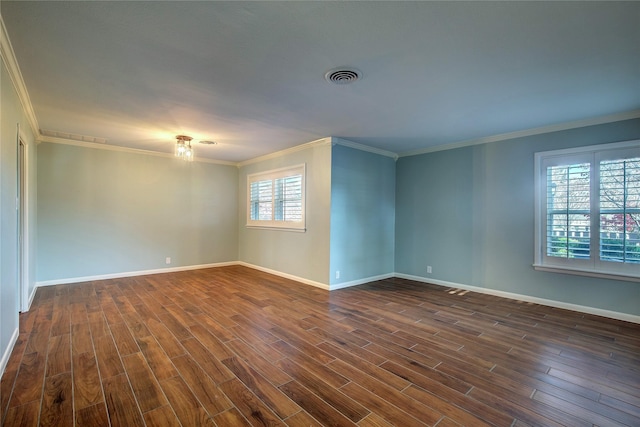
[[232, 346]]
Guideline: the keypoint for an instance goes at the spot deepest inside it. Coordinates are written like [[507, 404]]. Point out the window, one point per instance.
[[588, 211], [276, 198]]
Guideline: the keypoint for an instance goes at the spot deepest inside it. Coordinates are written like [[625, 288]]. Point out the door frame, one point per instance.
[[23, 223]]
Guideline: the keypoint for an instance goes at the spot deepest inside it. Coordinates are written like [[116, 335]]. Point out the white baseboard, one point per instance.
[[285, 275], [131, 274], [360, 281], [31, 296], [542, 301], [510, 295], [7, 351]]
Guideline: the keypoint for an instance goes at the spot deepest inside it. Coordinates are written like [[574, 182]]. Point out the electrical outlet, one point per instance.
[[337, 274], [429, 270], [167, 260]]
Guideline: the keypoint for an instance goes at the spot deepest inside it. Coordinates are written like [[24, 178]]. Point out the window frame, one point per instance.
[[273, 175], [594, 266]]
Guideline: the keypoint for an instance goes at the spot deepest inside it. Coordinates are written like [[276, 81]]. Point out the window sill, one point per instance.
[[588, 273], [265, 227]]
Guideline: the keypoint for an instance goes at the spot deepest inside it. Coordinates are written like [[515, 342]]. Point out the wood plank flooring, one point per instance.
[[232, 346]]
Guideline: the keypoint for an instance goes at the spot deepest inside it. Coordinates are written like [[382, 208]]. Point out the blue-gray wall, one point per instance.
[[13, 115], [107, 212], [469, 213], [362, 215], [304, 255]]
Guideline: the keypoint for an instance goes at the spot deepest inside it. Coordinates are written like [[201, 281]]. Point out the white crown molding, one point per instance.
[[316, 143], [9, 58], [362, 147], [611, 118], [634, 114], [95, 145], [319, 142]]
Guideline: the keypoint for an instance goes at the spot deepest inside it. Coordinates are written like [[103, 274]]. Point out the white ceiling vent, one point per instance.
[[343, 76]]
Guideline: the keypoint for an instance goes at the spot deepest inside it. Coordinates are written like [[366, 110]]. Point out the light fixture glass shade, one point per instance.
[[180, 149], [188, 153], [183, 148]]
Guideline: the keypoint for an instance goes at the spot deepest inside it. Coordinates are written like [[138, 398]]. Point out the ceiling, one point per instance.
[[250, 75]]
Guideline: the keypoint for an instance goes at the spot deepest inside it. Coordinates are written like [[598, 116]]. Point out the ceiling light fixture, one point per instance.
[[184, 150]]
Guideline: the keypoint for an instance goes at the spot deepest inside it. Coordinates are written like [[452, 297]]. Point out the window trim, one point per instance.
[[272, 175], [594, 266]]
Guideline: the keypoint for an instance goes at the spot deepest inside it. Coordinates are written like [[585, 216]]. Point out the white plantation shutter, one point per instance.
[[568, 211], [261, 200], [276, 198], [588, 211], [620, 210], [289, 198]]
